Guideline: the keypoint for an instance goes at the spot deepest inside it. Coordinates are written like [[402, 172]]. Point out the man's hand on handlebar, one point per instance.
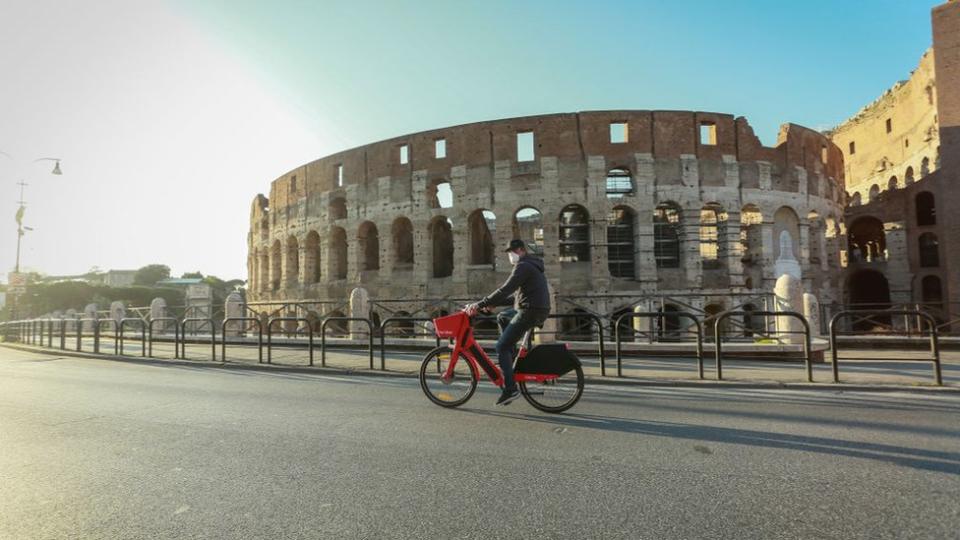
[[473, 309]]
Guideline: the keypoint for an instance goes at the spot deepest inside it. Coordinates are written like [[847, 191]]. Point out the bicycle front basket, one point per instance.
[[450, 326]]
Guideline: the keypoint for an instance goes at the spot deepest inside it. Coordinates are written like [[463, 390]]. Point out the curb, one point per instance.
[[590, 379]]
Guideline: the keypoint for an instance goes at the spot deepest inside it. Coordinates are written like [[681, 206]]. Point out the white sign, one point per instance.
[[200, 290]]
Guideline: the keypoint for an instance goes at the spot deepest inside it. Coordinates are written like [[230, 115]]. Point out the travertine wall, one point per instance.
[[880, 159], [752, 192]]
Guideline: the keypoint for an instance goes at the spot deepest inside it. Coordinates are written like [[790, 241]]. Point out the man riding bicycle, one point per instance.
[[531, 300]]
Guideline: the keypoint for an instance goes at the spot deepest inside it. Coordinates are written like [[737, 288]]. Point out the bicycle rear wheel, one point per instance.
[[447, 393], [554, 395]]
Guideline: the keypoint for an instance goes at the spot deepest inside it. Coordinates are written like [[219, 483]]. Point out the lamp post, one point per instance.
[[21, 230]]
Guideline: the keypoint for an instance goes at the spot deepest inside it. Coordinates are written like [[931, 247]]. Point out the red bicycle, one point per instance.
[[550, 376]]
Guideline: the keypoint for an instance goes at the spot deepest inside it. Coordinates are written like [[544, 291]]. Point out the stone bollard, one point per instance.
[[118, 311], [643, 325], [71, 326], [232, 308], [811, 310], [359, 307], [90, 313], [789, 297]]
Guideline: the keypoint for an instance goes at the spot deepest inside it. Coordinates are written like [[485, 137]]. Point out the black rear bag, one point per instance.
[[551, 359]]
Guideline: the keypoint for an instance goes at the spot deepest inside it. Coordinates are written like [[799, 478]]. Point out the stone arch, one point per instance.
[[338, 253], [311, 257], [866, 239], [574, 234], [481, 231], [264, 280], [908, 177], [402, 234], [926, 208], [528, 226], [892, 183], [667, 224], [710, 312], [276, 252], [854, 199], [931, 290], [619, 183], [368, 242], [786, 219], [869, 289], [924, 167], [627, 332], [929, 248], [336, 328], [621, 243], [668, 326], [578, 326], [441, 241], [873, 193], [291, 274]]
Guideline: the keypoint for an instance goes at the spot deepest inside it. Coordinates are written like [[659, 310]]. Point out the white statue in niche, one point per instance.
[[786, 263]]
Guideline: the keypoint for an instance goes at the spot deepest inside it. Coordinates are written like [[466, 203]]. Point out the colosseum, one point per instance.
[[663, 209]]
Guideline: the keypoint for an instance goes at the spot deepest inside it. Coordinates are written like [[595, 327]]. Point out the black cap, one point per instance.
[[516, 243]]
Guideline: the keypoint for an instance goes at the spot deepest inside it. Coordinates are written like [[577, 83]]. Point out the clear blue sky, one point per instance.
[[171, 115]]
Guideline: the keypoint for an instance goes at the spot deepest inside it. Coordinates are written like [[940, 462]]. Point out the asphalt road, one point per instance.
[[109, 449]]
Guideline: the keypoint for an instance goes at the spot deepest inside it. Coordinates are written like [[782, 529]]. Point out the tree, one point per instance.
[[192, 275], [150, 274]]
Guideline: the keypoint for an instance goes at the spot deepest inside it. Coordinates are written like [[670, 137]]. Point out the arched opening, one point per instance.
[[874, 192], [369, 243], [668, 326], [311, 258], [752, 324], [439, 194], [402, 233], [867, 240], [892, 183], [712, 218], [338, 253], [482, 226], [908, 177], [578, 327], [710, 313], [338, 208], [275, 265], [666, 235], [924, 167], [929, 250], [528, 226], [931, 290], [619, 183], [574, 234], [620, 243], [926, 209], [868, 289], [855, 200], [751, 237], [401, 328], [441, 239]]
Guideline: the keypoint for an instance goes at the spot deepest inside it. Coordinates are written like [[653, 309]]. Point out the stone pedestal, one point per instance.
[[359, 307], [118, 311], [233, 308], [89, 313], [789, 297]]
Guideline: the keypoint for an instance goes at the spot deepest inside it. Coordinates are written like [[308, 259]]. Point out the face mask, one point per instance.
[[514, 258]]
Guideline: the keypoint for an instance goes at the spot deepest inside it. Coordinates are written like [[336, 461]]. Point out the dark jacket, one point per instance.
[[528, 282]]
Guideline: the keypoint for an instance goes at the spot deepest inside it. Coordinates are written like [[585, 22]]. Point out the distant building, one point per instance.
[[3, 300], [119, 278]]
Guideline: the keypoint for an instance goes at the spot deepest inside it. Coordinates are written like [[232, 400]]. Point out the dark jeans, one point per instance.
[[513, 324]]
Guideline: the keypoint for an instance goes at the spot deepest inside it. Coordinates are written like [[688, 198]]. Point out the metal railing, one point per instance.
[[176, 334], [659, 316], [143, 334], [396, 320], [323, 335], [866, 316], [297, 320], [808, 361], [223, 333], [213, 335]]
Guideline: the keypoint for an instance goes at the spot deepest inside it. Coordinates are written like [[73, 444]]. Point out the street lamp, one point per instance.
[[21, 229]]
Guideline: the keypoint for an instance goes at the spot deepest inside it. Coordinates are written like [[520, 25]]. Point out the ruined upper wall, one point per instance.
[[566, 136], [893, 134]]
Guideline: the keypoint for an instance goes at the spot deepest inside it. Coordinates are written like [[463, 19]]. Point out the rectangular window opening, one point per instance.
[[889, 125], [404, 154], [853, 148], [708, 133], [618, 132], [440, 148], [340, 175], [525, 146]]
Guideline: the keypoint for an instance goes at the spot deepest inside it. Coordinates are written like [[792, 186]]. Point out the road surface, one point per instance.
[[111, 449]]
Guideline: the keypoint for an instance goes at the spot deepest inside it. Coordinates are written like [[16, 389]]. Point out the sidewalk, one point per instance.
[[863, 373]]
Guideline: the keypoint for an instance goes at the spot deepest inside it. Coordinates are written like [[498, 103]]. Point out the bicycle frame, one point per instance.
[[467, 346]]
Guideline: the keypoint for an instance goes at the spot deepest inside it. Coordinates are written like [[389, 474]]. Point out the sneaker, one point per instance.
[[508, 396]]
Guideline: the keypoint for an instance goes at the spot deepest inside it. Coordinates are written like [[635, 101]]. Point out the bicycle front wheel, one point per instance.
[[451, 392], [555, 395]]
